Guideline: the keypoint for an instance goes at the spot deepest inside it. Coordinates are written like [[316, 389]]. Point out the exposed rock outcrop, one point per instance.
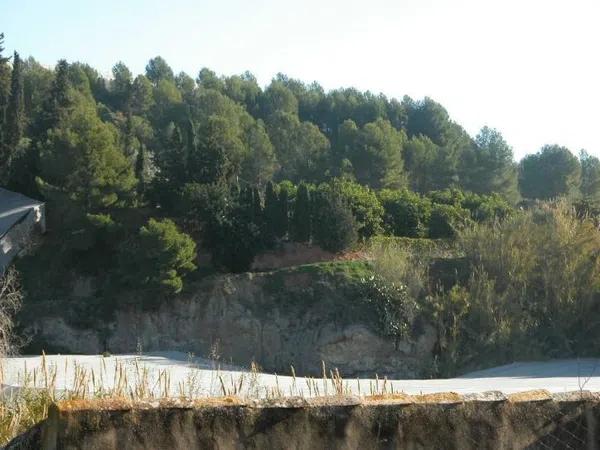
[[277, 319]]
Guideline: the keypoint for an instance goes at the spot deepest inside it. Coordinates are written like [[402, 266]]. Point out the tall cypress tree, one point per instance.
[[4, 85], [235, 192], [14, 122], [140, 164], [15, 110], [171, 160], [247, 202], [57, 103], [300, 227], [257, 209], [129, 138], [271, 215], [282, 224]]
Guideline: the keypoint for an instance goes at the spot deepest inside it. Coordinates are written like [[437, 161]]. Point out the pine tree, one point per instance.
[[208, 158], [301, 227], [81, 159], [590, 176]]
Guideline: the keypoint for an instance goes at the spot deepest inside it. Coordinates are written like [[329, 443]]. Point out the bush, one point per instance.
[[425, 248], [397, 264], [406, 213], [159, 257], [487, 207], [364, 204], [533, 291], [446, 221], [452, 197], [395, 308]]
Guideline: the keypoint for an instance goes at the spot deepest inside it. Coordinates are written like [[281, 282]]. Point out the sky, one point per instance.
[[529, 68]]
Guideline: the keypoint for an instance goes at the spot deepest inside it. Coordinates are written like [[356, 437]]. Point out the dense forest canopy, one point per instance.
[[163, 160]]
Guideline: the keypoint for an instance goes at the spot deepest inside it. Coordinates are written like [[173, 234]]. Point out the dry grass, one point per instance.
[[530, 396], [129, 382], [128, 385]]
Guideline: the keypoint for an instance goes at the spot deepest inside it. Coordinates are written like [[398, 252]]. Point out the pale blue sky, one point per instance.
[[527, 67]]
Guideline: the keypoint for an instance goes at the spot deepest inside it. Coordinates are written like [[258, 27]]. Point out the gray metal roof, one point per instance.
[[13, 208]]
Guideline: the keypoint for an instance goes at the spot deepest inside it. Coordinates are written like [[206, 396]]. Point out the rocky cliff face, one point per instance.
[[278, 319]]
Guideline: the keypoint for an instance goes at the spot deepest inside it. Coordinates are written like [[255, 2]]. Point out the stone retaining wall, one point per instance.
[[490, 420]]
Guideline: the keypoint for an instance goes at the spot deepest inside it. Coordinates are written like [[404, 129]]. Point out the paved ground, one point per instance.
[[198, 377]]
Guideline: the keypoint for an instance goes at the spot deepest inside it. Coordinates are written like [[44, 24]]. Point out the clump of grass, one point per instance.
[[21, 410]]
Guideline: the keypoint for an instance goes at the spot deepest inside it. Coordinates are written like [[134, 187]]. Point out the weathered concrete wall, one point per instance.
[[277, 320], [442, 421]]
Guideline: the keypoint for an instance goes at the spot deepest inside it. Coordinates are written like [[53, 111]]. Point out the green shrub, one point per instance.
[[532, 293], [159, 257], [364, 204], [398, 264], [447, 220], [395, 307], [406, 213], [423, 247], [452, 197], [487, 207]]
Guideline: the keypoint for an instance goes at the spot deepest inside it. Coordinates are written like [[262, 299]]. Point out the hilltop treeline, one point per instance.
[[138, 170]]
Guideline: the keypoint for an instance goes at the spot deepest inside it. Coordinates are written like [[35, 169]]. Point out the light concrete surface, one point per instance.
[[197, 377]]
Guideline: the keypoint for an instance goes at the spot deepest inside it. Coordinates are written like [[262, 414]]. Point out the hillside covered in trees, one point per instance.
[[140, 172]]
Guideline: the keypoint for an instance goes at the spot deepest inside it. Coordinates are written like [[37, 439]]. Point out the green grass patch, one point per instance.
[[429, 248], [350, 269]]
